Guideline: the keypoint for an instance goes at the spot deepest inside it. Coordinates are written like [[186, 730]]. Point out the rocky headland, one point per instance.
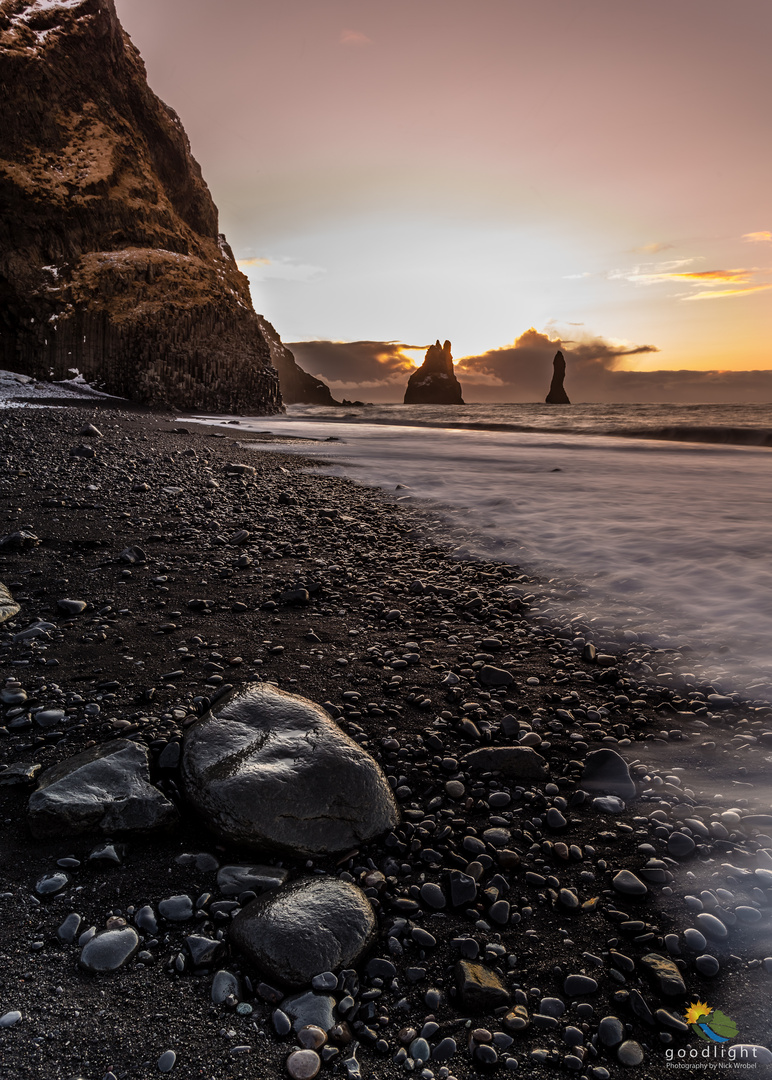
[[297, 386], [111, 261], [557, 393], [434, 382], [290, 788]]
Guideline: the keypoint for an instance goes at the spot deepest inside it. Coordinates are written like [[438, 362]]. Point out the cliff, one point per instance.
[[435, 382], [297, 386], [557, 394], [110, 257]]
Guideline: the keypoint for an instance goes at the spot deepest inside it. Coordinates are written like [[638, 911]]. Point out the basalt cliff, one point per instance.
[[435, 382], [111, 261], [297, 386]]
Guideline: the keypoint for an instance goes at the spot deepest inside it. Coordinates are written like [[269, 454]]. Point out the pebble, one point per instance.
[[166, 1061], [303, 1064], [10, 1018], [630, 1053], [711, 926], [628, 884], [109, 950], [707, 965], [579, 985], [176, 908]]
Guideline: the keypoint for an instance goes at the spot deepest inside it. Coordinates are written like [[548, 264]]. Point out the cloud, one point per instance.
[[708, 281], [653, 249], [355, 38], [763, 237], [352, 366], [596, 370], [727, 292], [280, 269]]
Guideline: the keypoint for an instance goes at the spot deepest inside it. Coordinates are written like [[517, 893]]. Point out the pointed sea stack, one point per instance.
[[297, 386], [111, 262], [435, 382], [557, 394]]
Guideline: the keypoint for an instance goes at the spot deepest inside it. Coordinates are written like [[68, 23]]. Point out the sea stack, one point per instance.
[[435, 382], [111, 262], [557, 394]]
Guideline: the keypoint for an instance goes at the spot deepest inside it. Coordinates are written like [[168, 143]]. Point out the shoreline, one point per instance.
[[378, 590]]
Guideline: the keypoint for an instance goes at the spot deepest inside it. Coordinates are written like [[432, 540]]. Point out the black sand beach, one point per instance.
[[242, 564]]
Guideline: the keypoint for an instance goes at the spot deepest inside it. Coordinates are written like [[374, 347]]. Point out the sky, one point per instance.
[[511, 175]]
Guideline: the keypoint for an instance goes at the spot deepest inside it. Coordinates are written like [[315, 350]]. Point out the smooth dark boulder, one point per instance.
[[557, 394], [105, 789], [435, 382], [313, 925], [271, 771]]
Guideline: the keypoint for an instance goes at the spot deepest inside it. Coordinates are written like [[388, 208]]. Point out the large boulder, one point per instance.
[[435, 382], [271, 771], [111, 260], [313, 925], [105, 789]]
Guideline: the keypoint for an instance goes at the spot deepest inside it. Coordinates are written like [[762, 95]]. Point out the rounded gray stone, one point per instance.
[[628, 884], [711, 926], [176, 908], [109, 950], [271, 771], [611, 1031], [432, 894], [630, 1052], [224, 985], [310, 926], [679, 845], [694, 939], [10, 1018], [707, 965], [579, 985], [606, 772], [106, 788], [166, 1061]]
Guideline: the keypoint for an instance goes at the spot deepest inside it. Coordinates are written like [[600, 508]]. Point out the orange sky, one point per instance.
[[436, 168]]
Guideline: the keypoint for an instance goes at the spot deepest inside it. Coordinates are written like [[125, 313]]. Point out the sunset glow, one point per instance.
[[394, 173]]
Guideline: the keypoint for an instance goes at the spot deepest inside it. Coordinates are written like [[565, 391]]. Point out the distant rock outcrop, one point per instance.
[[435, 382], [297, 386], [110, 257], [557, 394]]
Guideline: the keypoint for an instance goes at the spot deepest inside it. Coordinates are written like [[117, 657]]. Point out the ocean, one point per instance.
[[648, 523]]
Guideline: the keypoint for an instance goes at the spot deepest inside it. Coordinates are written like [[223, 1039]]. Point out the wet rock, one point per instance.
[[607, 772], [479, 988], [271, 770], [109, 950], [310, 926], [106, 788], [515, 762]]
